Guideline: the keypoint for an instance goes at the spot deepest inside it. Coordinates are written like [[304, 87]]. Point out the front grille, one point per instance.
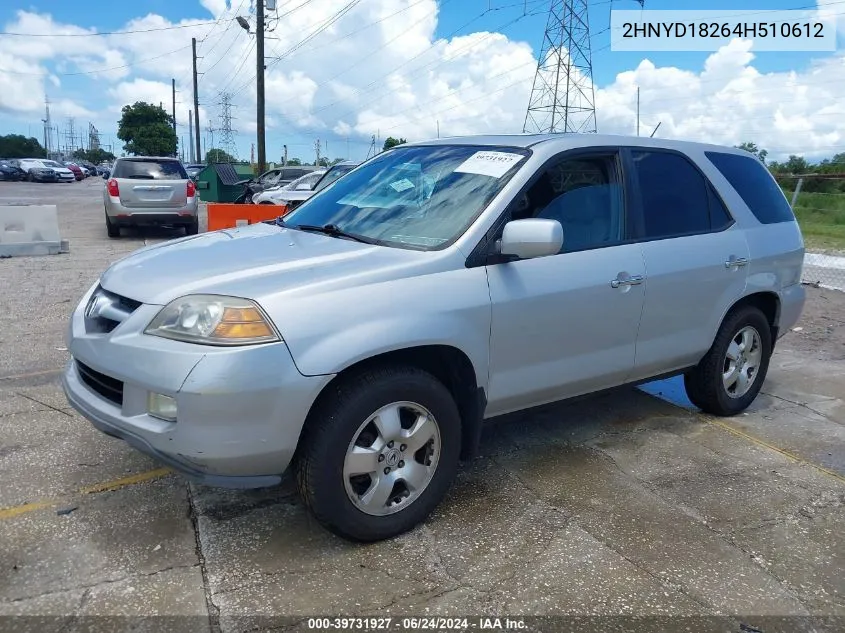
[[111, 310], [110, 388]]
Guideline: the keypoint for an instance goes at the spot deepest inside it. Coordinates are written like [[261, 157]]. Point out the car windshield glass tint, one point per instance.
[[150, 170], [333, 174], [413, 197]]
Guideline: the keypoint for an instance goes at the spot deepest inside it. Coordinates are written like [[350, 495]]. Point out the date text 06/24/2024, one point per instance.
[[692, 30], [432, 623]]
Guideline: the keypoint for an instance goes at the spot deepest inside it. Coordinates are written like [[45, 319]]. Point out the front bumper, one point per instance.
[[240, 410]]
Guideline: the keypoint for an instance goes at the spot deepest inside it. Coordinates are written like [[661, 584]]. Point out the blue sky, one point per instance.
[[407, 73]]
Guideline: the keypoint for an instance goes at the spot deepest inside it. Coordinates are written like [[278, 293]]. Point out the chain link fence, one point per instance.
[[819, 204]]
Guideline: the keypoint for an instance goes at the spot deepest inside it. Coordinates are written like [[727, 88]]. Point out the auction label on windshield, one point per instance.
[[710, 30], [495, 164]]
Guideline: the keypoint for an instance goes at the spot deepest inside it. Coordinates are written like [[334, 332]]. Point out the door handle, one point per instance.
[[635, 280], [736, 261]]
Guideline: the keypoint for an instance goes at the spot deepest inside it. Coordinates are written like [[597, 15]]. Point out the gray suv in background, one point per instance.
[[363, 339], [144, 191]]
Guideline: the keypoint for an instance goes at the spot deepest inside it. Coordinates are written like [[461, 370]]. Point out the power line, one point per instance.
[[99, 70], [100, 33]]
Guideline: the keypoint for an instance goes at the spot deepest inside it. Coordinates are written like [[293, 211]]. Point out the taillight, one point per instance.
[[192, 189], [112, 188]]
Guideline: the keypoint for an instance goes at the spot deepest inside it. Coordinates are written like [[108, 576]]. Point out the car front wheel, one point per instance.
[[731, 374], [379, 452]]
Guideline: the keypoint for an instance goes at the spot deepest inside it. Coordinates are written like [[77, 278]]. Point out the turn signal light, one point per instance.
[[112, 187]]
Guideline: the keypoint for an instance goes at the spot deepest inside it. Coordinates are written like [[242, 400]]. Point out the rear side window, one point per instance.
[[150, 169], [755, 185], [674, 195]]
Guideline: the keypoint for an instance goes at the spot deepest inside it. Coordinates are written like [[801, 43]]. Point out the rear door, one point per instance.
[[696, 259], [151, 183]]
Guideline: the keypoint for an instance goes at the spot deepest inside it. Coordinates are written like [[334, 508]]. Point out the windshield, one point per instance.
[[413, 197], [307, 179], [50, 163]]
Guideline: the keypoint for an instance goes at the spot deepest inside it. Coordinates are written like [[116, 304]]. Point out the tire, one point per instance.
[[707, 384], [112, 229], [30, 177], [193, 228], [340, 417]]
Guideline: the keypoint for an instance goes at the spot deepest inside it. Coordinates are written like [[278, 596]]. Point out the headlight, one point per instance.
[[213, 320]]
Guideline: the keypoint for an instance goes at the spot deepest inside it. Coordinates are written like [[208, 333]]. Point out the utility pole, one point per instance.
[[317, 147], [191, 135], [259, 86], [174, 104], [638, 110], [196, 101], [438, 129], [285, 158]]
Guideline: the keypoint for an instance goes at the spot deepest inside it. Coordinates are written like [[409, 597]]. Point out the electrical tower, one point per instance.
[[563, 96], [227, 135]]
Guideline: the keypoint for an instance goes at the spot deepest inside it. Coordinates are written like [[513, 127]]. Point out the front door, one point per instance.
[[567, 324]]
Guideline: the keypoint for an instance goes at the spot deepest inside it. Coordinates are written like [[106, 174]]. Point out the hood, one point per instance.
[[249, 262]]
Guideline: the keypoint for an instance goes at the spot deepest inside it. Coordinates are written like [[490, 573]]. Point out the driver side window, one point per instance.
[[585, 196]]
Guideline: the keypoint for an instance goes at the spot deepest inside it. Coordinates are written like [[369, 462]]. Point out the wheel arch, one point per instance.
[[448, 364], [768, 302]]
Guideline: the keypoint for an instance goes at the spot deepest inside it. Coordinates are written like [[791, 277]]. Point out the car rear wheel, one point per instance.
[[379, 452], [193, 228], [112, 229], [729, 377]]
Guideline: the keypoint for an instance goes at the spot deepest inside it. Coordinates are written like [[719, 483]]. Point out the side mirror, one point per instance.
[[530, 238]]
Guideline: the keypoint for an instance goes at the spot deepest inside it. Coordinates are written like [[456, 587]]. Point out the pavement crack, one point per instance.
[[213, 609], [804, 405], [43, 404]]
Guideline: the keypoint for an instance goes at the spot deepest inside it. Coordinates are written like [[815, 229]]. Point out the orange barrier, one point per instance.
[[224, 215]]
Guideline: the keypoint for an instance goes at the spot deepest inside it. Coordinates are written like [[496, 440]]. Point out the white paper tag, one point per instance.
[[402, 185], [495, 164]]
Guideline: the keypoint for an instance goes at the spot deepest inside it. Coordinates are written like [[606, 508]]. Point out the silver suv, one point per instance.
[[145, 190], [361, 341]]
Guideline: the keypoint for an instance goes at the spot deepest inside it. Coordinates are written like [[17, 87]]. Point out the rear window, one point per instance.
[[755, 185], [149, 169]]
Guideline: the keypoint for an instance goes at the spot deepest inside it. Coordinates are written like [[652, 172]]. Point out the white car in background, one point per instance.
[[292, 198], [303, 183], [63, 173]]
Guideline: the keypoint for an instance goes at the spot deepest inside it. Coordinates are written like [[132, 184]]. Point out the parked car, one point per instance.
[[146, 190], [291, 199], [8, 171], [364, 339], [63, 174], [303, 183], [194, 170], [78, 173], [36, 170], [89, 168]]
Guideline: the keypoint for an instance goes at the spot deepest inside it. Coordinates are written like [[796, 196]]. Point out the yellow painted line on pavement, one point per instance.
[[763, 443], [108, 486], [131, 480]]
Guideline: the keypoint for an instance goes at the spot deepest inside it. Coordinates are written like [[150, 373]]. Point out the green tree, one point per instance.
[[796, 165], [18, 146], [392, 142], [96, 155], [147, 130], [218, 156], [295, 162], [752, 148]]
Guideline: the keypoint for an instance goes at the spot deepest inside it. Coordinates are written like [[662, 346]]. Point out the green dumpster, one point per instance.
[[216, 183]]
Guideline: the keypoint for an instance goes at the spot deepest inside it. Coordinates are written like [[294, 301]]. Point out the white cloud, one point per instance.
[[380, 69]]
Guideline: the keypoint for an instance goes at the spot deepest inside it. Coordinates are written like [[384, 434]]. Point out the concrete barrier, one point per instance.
[[30, 229]]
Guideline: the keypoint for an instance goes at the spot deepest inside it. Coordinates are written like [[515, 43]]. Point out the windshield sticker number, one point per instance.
[[402, 185], [495, 164]]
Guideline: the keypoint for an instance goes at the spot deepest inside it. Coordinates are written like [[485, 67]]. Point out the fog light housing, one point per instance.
[[161, 406]]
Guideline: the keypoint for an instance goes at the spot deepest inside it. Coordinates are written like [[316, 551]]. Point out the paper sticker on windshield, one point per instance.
[[495, 164], [402, 185]]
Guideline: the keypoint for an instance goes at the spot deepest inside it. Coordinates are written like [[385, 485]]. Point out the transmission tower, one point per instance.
[[227, 135], [563, 97]]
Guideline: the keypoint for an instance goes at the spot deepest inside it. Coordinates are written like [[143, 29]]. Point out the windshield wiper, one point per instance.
[[334, 231]]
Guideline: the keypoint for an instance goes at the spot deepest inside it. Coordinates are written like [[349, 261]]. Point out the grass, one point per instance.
[[822, 220]]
